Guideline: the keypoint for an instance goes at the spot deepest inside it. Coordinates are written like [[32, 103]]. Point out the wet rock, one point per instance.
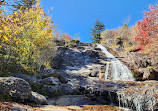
[[38, 98], [15, 87]]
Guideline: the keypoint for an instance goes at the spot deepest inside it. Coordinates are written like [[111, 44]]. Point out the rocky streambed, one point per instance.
[[76, 79]]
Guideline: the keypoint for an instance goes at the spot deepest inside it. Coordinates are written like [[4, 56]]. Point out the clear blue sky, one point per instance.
[[78, 16]]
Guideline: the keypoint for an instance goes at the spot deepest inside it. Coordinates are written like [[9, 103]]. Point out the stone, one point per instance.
[[94, 73], [38, 98], [28, 78], [63, 80], [98, 49], [42, 68], [57, 61], [92, 53], [50, 81], [15, 87], [149, 74], [67, 100]]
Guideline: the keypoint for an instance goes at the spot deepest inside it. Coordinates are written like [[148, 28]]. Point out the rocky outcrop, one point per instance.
[[79, 70], [144, 66]]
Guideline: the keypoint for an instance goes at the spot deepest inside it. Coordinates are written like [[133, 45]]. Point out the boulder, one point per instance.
[[15, 87], [38, 98]]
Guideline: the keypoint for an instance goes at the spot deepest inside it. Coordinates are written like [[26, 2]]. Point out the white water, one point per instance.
[[118, 71]]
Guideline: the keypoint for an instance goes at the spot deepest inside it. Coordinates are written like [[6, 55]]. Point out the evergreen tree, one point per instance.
[[96, 31]]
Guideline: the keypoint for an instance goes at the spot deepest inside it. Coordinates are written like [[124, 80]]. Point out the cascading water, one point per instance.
[[138, 98], [118, 71]]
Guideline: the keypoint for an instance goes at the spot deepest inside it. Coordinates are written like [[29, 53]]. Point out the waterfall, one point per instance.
[[118, 71]]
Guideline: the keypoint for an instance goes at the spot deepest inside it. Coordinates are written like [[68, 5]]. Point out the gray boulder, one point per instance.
[[38, 98], [15, 87]]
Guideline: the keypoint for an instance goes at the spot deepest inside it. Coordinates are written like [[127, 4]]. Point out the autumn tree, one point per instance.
[[26, 37], [23, 4], [96, 31], [108, 37], [147, 31]]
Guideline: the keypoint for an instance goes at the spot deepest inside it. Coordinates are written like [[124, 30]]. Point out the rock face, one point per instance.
[[15, 87]]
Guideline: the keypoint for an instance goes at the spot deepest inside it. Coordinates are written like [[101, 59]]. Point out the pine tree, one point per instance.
[[96, 31]]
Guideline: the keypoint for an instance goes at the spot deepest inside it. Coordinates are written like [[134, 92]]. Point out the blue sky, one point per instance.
[[78, 16]]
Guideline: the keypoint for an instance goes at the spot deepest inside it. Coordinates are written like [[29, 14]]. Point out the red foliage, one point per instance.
[[147, 34], [66, 37]]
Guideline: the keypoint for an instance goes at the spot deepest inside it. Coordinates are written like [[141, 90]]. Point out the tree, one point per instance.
[[96, 31], [24, 4], [147, 31], [26, 37]]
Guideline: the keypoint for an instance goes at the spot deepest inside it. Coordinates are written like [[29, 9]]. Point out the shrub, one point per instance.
[[26, 38]]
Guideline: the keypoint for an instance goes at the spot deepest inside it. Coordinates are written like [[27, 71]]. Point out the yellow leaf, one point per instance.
[[16, 13], [0, 11]]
